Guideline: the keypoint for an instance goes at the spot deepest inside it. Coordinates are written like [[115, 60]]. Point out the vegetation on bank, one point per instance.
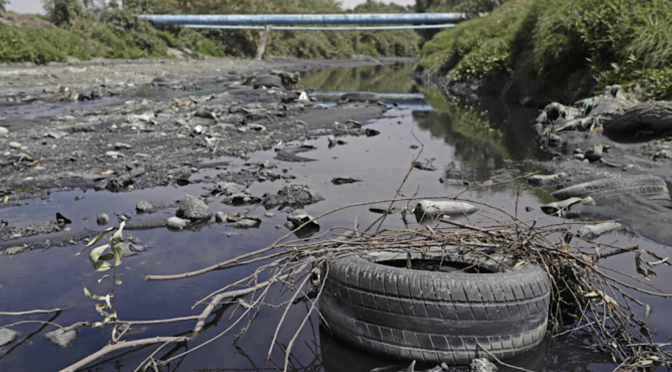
[[575, 45], [70, 28]]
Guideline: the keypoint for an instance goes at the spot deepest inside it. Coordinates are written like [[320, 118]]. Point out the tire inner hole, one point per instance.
[[437, 265]]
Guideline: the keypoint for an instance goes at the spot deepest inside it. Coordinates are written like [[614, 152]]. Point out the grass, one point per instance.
[[561, 43], [121, 35]]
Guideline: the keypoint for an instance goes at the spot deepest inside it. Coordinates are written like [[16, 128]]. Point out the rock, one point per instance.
[[268, 81], [228, 188], [292, 195], [360, 97], [131, 249], [4, 132], [177, 223], [220, 217], [114, 154], [343, 181], [434, 209], [6, 334], [269, 214], [382, 208], [546, 180], [662, 154], [144, 207], [102, 219], [61, 338], [193, 209], [146, 224], [246, 223], [371, 132], [561, 206], [425, 165], [299, 217], [588, 200], [595, 152], [332, 140], [482, 365], [15, 145], [593, 231], [241, 199], [116, 184], [289, 79], [61, 219], [122, 146]]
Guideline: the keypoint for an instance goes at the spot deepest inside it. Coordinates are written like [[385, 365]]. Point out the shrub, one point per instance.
[[63, 12]]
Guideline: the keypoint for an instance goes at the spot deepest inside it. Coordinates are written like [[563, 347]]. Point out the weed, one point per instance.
[[101, 262]]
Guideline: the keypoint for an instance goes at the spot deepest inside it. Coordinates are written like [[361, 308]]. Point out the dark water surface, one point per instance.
[[466, 144]]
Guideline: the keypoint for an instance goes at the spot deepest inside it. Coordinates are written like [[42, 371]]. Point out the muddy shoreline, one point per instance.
[[637, 152], [119, 126]]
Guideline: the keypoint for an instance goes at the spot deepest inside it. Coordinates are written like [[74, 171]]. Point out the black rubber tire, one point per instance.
[[651, 187], [361, 97], [268, 81], [431, 316]]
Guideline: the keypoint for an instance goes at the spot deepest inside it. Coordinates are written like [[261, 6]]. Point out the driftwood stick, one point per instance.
[[209, 268], [158, 321], [469, 227], [21, 313], [236, 293], [124, 345], [33, 322]]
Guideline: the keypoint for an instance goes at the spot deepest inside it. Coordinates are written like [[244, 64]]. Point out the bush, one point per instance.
[[3, 3], [62, 13], [560, 42]]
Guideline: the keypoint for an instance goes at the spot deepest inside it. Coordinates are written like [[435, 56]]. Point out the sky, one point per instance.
[[35, 6]]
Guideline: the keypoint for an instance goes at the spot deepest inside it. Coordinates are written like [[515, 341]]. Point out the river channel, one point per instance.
[[468, 144]]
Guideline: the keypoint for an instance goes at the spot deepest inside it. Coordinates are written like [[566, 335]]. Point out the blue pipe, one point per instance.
[[306, 19], [336, 28]]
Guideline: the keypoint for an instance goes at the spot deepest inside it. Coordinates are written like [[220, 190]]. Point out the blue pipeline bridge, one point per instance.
[[310, 22]]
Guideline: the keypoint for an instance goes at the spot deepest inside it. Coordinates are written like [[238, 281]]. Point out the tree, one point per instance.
[[62, 12], [3, 3]]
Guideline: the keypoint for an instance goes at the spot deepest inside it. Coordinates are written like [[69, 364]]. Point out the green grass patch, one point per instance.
[[561, 42]]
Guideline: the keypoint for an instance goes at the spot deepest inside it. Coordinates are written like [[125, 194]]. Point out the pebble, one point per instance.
[[7, 335], [269, 214], [177, 223], [114, 154], [61, 338], [143, 207], [245, 223], [14, 145], [4, 132], [220, 217], [193, 208]]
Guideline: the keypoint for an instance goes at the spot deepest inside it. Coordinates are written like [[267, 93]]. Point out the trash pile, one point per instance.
[[587, 298]]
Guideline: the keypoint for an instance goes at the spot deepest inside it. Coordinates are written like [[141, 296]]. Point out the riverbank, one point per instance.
[[89, 33], [543, 51]]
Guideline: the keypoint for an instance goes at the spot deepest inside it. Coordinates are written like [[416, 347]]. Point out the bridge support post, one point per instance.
[[263, 39]]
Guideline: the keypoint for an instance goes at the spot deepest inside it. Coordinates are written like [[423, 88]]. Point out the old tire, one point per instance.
[[651, 187], [433, 316], [268, 81], [360, 97]]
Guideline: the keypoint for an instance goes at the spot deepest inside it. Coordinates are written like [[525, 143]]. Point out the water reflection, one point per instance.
[[380, 79]]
